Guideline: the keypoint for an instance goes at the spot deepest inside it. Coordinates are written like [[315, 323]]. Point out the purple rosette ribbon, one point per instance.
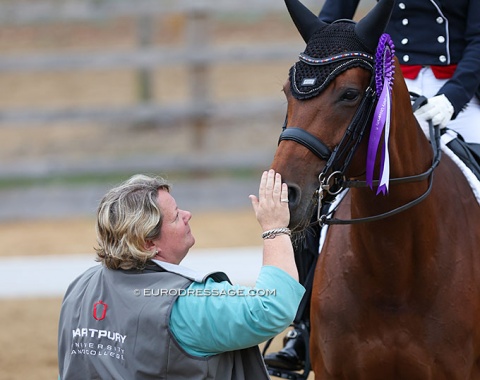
[[384, 70]]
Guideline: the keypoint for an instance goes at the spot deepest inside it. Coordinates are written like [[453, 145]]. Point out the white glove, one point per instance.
[[438, 109]]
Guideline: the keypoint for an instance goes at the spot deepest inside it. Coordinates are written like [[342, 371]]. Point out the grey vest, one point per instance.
[[115, 325]]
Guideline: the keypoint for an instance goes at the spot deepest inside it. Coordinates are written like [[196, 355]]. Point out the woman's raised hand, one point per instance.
[[271, 205]]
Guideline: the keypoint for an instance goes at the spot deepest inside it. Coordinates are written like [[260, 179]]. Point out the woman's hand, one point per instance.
[[271, 205], [271, 209]]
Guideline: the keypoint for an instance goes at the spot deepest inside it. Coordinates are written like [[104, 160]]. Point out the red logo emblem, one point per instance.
[[99, 310]]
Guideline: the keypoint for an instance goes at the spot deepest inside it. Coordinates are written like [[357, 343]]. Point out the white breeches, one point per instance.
[[467, 122]]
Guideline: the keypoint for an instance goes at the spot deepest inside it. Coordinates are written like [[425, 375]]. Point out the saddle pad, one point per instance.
[[449, 141]]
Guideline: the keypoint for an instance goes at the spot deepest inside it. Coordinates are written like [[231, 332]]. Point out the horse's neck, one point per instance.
[[410, 151], [392, 247]]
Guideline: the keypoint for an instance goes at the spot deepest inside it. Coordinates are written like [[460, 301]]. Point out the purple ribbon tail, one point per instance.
[[384, 70], [378, 124]]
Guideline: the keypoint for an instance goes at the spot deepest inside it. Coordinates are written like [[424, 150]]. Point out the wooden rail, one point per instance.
[[197, 54]]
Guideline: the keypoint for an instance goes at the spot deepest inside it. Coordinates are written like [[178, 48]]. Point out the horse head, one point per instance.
[[330, 90], [394, 293]]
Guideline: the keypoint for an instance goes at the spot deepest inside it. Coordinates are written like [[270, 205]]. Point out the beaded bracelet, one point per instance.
[[270, 234]]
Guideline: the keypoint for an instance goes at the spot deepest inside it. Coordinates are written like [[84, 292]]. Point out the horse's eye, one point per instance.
[[350, 95]]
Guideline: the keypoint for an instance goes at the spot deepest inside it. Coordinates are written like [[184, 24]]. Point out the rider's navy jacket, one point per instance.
[[431, 32]]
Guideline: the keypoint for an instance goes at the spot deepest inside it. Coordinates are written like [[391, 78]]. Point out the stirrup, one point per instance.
[[288, 374]]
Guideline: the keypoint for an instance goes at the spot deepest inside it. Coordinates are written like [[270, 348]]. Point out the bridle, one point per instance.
[[332, 178]]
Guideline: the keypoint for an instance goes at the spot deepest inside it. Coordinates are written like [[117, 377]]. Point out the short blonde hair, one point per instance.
[[127, 217]]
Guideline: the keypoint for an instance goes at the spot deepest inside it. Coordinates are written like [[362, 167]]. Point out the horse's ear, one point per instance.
[[371, 27], [305, 21]]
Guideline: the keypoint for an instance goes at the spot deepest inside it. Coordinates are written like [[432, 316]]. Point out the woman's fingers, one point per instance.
[[277, 187], [263, 186], [272, 188], [270, 184], [284, 194], [271, 205]]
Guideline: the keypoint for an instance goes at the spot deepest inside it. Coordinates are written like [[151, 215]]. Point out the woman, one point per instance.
[[141, 315]]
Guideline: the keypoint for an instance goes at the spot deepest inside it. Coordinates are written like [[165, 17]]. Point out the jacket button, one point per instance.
[[441, 39], [405, 21], [401, 5], [442, 59], [406, 58], [439, 20], [404, 41]]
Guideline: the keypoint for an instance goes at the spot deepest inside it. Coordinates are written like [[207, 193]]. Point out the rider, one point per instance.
[[437, 43]]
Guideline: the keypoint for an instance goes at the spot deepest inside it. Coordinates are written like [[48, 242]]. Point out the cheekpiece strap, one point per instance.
[[334, 58]]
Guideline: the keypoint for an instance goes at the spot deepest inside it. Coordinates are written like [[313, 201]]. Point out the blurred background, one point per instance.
[[93, 91]]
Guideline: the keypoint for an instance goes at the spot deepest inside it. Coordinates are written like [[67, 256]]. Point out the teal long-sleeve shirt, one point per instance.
[[235, 317]]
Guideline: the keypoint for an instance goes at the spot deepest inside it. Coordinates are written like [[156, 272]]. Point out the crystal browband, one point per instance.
[[334, 58]]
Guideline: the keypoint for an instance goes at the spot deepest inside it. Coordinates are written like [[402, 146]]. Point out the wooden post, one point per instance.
[[145, 76], [198, 38]]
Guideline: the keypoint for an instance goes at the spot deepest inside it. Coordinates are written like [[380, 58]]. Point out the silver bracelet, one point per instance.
[[270, 234]]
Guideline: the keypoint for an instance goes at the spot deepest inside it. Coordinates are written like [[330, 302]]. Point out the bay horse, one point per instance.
[[396, 290]]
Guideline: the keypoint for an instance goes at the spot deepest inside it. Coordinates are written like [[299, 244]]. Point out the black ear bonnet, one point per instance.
[[331, 49]]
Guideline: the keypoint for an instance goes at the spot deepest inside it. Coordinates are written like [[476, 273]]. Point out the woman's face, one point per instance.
[[175, 236]]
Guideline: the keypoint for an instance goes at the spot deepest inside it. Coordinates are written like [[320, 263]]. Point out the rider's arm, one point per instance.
[[460, 88], [337, 9]]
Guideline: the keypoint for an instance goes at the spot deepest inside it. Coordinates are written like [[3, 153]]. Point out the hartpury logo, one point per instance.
[[99, 310]]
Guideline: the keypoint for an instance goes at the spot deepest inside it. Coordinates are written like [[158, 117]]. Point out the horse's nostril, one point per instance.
[[294, 195]]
